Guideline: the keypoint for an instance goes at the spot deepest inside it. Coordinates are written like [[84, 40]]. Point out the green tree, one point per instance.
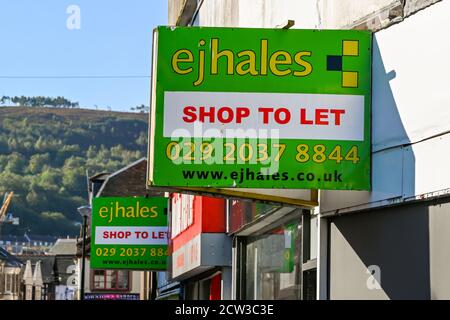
[[44, 157], [142, 139], [37, 162], [16, 163], [50, 179]]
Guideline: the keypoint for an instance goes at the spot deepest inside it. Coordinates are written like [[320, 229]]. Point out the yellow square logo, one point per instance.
[[350, 79], [350, 48]]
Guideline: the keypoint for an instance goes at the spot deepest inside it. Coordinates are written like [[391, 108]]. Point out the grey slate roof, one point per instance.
[[130, 181], [64, 247], [9, 259]]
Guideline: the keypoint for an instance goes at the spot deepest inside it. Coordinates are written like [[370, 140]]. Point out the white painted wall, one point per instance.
[[258, 13], [273, 13], [411, 102], [218, 13], [338, 14], [308, 14]]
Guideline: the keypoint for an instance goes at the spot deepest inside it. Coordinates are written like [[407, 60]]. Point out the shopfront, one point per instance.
[[201, 249], [208, 286], [272, 253]]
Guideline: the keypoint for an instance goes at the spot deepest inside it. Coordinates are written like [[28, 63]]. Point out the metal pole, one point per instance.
[[83, 258]]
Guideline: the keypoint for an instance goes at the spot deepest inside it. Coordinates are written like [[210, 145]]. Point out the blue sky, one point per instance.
[[115, 39]]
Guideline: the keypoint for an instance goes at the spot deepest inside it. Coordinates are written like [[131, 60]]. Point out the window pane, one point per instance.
[[111, 279], [122, 279], [99, 282], [99, 272], [99, 279], [272, 265]]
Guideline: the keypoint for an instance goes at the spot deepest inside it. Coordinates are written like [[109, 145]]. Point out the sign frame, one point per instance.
[[307, 196], [129, 233]]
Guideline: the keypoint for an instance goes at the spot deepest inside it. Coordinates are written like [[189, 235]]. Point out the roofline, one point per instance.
[[95, 176], [112, 175]]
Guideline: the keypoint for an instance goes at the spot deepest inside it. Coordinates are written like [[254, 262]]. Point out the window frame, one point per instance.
[[304, 263], [105, 276], [261, 234]]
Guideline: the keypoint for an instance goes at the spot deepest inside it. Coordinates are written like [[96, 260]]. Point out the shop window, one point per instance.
[[272, 268], [117, 280], [242, 213]]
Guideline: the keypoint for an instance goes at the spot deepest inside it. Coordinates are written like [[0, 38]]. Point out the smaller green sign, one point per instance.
[[129, 233], [290, 239]]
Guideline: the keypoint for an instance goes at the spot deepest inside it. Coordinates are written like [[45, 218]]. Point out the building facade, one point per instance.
[[387, 243], [112, 284], [10, 276]]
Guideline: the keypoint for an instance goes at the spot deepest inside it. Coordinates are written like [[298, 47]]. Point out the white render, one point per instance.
[[410, 113]]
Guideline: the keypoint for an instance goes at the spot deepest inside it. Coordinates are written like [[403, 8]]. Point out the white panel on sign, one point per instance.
[[131, 235], [270, 115]]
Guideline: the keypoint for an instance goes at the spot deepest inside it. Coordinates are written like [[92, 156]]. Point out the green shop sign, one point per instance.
[[260, 108], [129, 233]]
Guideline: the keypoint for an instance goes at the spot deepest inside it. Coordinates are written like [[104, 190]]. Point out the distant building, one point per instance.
[[43, 276], [66, 267], [51, 276], [27, 244], [64, 247], [10, 276]]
